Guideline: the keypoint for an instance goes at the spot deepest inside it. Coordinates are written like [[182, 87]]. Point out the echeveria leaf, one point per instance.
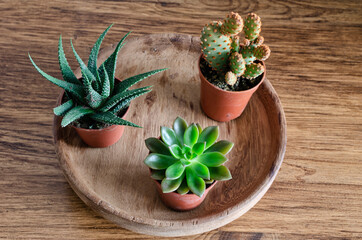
[[158, 174], [159, 161], [157, 146], [209, 135], [93, 56], [175, 170], [176, 151], [170, 185], [168, 136], [179, 126], [220, 173], [200, 170], [191, 135], [74, 89], [64, 108], [195, 183], [212, 159], [74, 114], [222, 146], [183, 188], [67, 72], [199, 128], [107, 117], [199, 148], [209, 181]]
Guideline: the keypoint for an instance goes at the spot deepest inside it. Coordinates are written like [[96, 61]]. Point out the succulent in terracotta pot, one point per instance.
[[186, 161], [231, 69], [95, 103]]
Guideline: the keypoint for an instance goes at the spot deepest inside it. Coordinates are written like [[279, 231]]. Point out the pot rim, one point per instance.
[[203, 78]]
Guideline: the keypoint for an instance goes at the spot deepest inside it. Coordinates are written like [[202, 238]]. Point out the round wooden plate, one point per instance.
[[114, 181]]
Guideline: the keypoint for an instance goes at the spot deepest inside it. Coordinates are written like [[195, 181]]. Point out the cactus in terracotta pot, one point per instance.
[[221, 47]]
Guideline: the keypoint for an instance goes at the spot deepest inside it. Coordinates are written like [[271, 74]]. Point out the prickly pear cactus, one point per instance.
[[227, 54]]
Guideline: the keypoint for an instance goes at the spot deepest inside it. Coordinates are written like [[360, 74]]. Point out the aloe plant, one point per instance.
[[96, 96], [187, 157]]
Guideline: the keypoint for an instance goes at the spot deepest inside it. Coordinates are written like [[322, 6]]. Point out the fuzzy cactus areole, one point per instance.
[[228, 55]]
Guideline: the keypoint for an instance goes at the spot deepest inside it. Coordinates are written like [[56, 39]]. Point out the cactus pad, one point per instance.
[[252, 26], [248, 54], [233, 24], [262, 52], [230, 78], [253, 70], [235, 44], [258, 41], [237, 64], [215, 46]]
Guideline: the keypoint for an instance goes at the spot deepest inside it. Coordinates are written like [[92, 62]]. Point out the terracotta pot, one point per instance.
[[222, 105], [100, 138], [182, 202]]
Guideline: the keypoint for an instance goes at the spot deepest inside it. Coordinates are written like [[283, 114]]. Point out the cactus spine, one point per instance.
[[225, 53]]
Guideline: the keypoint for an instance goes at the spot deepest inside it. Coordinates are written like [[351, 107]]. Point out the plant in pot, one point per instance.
[[186, 162], [231, 70], [96, 103]]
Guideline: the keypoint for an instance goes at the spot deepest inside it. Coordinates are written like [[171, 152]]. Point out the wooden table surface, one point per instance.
[[315, 67]]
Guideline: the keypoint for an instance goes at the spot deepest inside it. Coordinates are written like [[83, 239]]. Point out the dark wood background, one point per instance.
[[315, 67]]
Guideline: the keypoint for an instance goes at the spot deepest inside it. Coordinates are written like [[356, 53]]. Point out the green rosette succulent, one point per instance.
[[96, 97], [187, 157]]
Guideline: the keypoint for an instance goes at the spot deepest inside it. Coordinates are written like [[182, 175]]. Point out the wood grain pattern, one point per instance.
[[115, 182], [314, 67]]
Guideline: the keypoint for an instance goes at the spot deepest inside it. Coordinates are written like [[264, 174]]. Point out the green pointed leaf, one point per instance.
[[111, 63], [94, 99], [191, 135], [176, 151], [126, 101], [157, 146], [107, 117], [209, 181], [158, 174], [199, 128], [180, 126], [212, 159], [62, 109], [200, 170], [115, 99], [92, 61], [183, 188], [209, 135], [199, 148], [220, 173], [159, 161], [74, 114], [67, 72], [195, 183], [175, 170], [171, 185], [83, 67], [186, 149], [129, 82], [222, 146], [74, 89], [168, 136], [106, 90]]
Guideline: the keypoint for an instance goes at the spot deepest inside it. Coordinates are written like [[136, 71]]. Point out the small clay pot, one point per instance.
[[180, 202], [100, 138], [222, 105]]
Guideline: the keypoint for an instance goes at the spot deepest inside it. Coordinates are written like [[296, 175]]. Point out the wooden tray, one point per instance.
[[114, 181]]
